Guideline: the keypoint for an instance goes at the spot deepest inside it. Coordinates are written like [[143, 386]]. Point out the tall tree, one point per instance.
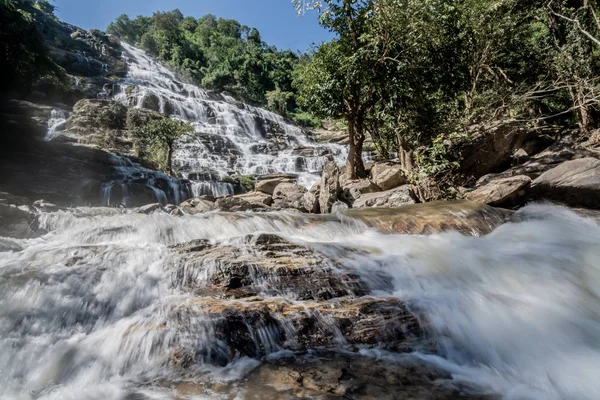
[[338, 80]]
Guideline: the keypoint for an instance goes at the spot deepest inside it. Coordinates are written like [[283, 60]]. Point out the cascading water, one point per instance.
[[231, 137], [56, 123], [87, 311]]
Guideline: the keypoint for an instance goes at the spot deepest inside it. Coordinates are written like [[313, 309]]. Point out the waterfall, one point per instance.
[[56, 123], [99, 306], [230, 137]]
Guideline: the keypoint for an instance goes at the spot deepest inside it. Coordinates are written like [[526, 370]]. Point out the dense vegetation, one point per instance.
[[24, 58], [219, 54], [414, 73]]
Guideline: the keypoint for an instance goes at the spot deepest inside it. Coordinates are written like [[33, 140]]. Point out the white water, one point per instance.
[[56, 123], [231, 137], [83, 309]]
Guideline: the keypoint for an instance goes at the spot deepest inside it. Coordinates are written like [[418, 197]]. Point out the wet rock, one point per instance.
[[235, 204], [329, 187], [575, 183], [149, 208], [388, 175], [151, 101], [334, 375], [268, 185], [16, 223], [264, 264], [44, 206], [426, 219], [289, 195], [502, 192], [397, 197], [280, 324]]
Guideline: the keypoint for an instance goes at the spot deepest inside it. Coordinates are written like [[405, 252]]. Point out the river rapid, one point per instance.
[[84, 309]]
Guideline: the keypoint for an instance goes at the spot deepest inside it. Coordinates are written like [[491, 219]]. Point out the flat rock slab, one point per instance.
[[426, 219], [575, 183], [504, 191]]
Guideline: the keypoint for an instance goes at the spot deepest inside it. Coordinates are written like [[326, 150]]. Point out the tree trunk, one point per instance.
[[355, 168], [405, 154], [170, 158]]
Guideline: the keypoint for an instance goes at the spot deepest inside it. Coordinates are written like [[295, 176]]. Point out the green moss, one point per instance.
[[305, 120], [246, 181]]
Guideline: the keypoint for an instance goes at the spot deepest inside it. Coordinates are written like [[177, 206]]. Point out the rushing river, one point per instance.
[[513, 314]]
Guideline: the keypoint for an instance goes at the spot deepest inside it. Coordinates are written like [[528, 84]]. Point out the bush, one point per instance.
[[306, 120]]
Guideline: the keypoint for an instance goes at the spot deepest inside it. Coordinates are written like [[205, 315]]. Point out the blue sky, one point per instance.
[[275, 19]]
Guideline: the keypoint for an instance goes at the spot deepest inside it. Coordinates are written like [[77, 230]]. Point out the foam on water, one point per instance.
[[516, 312]]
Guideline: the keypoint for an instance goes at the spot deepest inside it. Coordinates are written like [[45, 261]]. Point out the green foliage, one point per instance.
[[277, 101], [219, 54], [436, 66], [24, 58], [158, 135], [306, 120], [246, 181]]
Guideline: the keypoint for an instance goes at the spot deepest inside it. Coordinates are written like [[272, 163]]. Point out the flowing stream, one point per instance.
[[85, 310]]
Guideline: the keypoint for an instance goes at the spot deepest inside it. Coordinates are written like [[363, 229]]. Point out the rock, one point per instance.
[[235, 204], [263, 264], [257, 197], [311, 202], [289, 195], [16, 223], [329, 187], [491, 146], [388, 175], [196, 206], [352, 190], [564, 150], [428, 189], [397, 197], [268, 185], [575, 183], [505, 191], [44, 206], [241, 327], [430, 218], [334, 375], [339, 206], [149, 208]]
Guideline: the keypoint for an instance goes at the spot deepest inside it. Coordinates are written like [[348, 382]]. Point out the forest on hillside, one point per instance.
[[414, 75]]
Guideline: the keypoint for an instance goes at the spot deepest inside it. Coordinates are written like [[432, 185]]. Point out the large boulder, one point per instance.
[[268, 185], [289, 195], [397, 197], [575, 183], [354, 189], [501, 192], [257, 198], [388, 175], [493, 147], [329, 187], [430, 218]]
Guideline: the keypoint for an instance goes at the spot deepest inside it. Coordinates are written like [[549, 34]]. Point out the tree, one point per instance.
[[23, 55], [337, 82], [165, 131]]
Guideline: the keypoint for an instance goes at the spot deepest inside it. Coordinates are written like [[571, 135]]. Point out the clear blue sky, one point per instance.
[[276, 20]]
